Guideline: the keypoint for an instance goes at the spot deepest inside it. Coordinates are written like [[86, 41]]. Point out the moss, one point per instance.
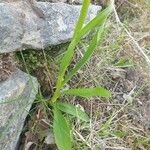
[[43, 65]]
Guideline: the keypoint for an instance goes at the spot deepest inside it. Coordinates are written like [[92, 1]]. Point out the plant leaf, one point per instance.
[[73, 110], [123, 63], [88, 92], [87, 55], [70, 51], [97, 21], [79, 33], [83, 14], [120, 134], [61, 131]]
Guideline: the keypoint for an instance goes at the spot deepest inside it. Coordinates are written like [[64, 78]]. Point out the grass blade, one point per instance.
[[104, 129], [61, 131], [88, 92], [73, 110]]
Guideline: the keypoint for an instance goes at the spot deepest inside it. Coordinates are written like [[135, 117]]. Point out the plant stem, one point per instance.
[[60, 80], [57, 92]]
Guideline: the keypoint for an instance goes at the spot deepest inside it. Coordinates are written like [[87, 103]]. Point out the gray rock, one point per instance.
[[76, 1], [53, 1], [16, 97], [22, 28], [63, 1]]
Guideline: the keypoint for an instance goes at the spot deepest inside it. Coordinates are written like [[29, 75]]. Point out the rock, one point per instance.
[[53, 1], [7, 66], [22, 28], [76, 1], [16, 97], [49, 140], [63, 1]]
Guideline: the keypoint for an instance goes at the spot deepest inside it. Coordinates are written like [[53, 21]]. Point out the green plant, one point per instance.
[[148, 2], [61, 127]]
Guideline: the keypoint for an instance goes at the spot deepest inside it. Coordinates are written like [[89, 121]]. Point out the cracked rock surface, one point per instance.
[[21, 28], [16, 97]]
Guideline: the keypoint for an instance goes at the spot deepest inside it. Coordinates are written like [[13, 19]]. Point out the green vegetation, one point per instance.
[[78, 112], [61, 128]]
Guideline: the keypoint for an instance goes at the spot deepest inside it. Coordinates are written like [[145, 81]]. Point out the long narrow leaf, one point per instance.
[[88, 92], [61, 131], [67, 57], [82, 17], [72, 110], [97, 21], [76, 38], [94, 42], [70, 51]]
